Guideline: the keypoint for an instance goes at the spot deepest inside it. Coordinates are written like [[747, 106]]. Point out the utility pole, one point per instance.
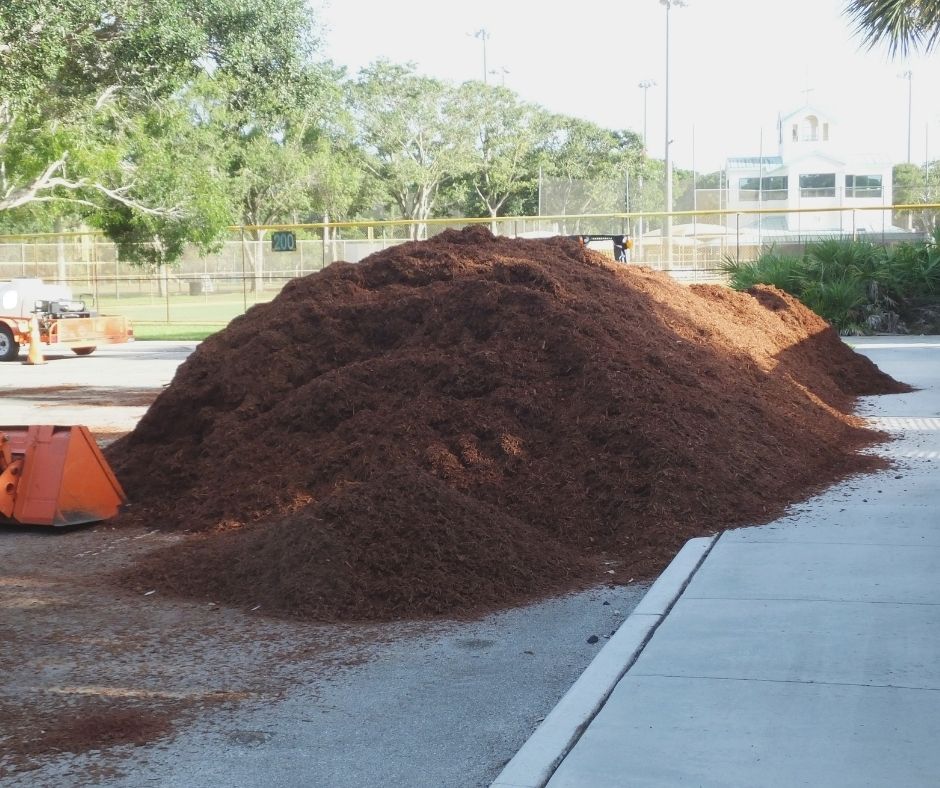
[[483, 35], [927, 197], [667, 229], [909, 76], [645, 85]]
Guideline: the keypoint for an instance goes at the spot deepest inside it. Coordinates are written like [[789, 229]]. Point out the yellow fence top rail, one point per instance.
[[498, 220]]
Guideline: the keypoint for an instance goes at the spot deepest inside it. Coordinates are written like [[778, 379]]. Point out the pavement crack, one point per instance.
[[786, 681], [805, 599]]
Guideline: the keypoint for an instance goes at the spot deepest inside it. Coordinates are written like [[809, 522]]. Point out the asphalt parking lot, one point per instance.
[[242, 699], [107, 391]]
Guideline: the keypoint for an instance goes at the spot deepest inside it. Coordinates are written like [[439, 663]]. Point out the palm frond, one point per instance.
[[782, 271], [904, 25], [839, 301]]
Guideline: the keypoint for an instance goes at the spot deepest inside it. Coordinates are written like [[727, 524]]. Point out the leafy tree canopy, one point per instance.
[[163, 121], [97, 109], [504, 145], [412, 136]]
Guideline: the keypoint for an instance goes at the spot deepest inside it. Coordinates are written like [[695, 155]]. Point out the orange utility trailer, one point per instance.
[[63, 320], [81, 334]]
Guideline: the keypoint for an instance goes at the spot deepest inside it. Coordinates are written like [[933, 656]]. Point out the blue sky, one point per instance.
[[735, 65]]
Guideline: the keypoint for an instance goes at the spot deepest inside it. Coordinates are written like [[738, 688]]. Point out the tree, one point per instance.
[[341, 187], [410, 136], [305, 166], [77, 77], [587, 168], [916, 185], [507, 134], [904, 25], [172, 162], [271, 178]]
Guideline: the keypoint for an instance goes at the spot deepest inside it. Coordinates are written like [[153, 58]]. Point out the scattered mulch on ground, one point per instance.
[[93, 726], [105, 396], [471, 421], [77, 727]]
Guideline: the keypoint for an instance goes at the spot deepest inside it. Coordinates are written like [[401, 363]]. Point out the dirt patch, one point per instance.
[[105, 397], [468, 422]]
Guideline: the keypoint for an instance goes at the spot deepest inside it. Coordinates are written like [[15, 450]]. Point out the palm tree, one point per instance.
[[905, 25]]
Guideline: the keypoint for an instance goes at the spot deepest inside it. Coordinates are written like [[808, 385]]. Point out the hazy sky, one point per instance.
[[735, 64]]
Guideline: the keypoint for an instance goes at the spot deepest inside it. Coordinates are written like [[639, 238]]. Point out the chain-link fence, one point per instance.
[[253, 263], [581, 205]]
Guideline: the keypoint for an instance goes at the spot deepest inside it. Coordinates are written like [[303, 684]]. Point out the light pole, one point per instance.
[[645, 85], [908, 75], [482, 34], [667, 229]]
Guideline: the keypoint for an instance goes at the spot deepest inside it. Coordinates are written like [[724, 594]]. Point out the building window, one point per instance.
[[818, 185], [825, 132], [811, 128], [768, 188], [863, 186], [774, 187], [748, 189], [796, 132]]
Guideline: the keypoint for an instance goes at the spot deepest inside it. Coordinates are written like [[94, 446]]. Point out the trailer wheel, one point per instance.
[[84, 351], [9, 348]]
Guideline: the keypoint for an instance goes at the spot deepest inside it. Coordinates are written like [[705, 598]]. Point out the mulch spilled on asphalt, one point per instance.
[[76, 727], [468, 422]]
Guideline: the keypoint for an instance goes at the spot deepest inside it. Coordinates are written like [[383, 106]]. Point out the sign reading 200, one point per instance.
[[283, 241]]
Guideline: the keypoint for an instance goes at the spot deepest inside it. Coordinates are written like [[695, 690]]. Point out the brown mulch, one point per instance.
[[467, 422], [74, 727]]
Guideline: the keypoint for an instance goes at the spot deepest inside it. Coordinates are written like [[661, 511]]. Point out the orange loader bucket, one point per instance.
[[52, 475]]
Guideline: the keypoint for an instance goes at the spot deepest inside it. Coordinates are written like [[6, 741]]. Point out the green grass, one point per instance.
[[178, 308], [180, 317], [176, 331]]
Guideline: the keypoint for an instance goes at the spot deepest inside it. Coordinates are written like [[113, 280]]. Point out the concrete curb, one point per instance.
[[536, 761]]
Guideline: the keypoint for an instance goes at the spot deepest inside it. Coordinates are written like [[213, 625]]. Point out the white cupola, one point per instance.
[[803, 131]]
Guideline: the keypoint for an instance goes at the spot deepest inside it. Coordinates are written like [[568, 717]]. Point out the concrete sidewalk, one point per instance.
[[802, 652]]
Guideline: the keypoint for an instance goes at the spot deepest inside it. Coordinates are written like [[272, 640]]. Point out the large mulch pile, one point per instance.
[[467, 422]]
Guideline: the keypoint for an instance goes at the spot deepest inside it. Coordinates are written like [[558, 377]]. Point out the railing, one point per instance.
[[824, 191], [767, 195], [865, 192]]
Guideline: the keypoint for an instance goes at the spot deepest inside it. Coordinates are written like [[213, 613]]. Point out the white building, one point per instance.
[[813, 169]]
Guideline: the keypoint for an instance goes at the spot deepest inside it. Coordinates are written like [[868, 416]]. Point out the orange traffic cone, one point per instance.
[[35, 349]]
